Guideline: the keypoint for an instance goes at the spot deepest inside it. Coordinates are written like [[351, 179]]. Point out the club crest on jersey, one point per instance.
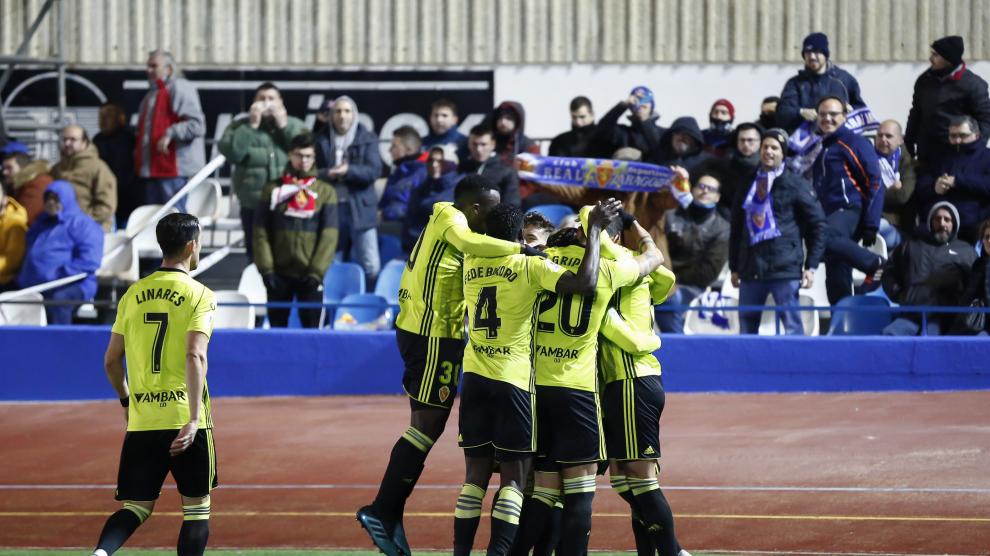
[[444, 393]]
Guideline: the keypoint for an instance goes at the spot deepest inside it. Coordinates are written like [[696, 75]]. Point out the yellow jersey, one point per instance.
[[500, 294], [153, 317], [431, 296]]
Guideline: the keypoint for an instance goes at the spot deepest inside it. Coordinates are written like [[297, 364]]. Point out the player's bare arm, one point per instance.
[[586, 278], [196, 344], [649, 257], [113, 364]]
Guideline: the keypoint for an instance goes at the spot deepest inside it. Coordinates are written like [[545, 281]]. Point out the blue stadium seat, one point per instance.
[[389, 247], [554, 213], [851, 322], [341, 280], [374, 310], [388, 281]]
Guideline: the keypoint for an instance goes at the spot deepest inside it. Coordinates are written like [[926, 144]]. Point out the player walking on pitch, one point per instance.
[[163, 328]]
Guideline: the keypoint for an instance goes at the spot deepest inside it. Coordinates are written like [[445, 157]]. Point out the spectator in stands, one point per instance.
[[697, 239], [443, 127], [170, 131], [770, 223], [115, 144], [979, 278], [643, 131], [80, 165], [944, 90], [683, 145], [408, 172], [323, 116], [897, 172], [768, 112], [584, 138], [848, 186], [26, 181], [256, 145], [536, 229], [483, 160], [930, 269], [347, 156], [717, 136], [509, 123], [13, 229], [63, 242], [742, 161], [960, 176], [819, 78], [438, 185], [295, 234]]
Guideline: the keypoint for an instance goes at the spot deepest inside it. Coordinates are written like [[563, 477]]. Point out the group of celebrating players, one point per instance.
[[559, 375]]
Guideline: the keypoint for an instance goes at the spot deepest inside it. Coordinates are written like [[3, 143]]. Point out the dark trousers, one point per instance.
[[286, 289], [843, 253], [247, 224]]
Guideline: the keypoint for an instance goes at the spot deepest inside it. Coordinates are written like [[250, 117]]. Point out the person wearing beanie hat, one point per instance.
[[819, 78], [946, 89], [717, 136], [772, 217], [642, 132]]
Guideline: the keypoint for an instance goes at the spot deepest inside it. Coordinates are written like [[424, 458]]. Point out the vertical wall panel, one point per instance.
[[436, 32]]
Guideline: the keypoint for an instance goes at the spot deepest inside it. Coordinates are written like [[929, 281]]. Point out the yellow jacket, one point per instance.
[[13, 228]]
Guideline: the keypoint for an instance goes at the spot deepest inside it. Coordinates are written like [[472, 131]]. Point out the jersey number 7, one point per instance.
[[160, 320]]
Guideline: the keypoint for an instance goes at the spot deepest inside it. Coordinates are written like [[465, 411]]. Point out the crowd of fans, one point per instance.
[[762, 206]]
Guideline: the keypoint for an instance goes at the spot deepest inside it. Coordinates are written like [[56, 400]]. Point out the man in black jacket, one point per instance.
[[770, 222], [683, 145], [945, 90], [484, 161], [584, 138], [643, 131], [744, 158], [819, 78], [931, 269]]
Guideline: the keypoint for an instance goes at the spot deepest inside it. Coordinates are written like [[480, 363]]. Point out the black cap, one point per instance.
[[951, 48], [778, 135]]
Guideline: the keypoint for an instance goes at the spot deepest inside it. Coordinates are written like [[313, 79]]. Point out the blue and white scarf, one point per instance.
[[806, 143], [760, 221], [890, 167], [620, 175]]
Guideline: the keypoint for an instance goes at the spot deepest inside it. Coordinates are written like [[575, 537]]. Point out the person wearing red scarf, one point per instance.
[[170, 131]]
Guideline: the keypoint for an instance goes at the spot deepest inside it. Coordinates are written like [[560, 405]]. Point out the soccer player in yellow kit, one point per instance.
[[632, 403], [430, 335], [496, 412], [163, 328], [570, 438]]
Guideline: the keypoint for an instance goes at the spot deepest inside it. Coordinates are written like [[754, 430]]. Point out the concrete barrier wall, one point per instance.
[[66, 363]]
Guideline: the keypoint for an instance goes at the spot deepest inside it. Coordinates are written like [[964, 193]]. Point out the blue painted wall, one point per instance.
[[66, 363]]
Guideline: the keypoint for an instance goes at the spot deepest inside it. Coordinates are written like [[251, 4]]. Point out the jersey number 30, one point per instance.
[[160, 320]]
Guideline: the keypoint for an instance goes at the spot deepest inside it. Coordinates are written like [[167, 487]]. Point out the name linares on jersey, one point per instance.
[[160, 293]]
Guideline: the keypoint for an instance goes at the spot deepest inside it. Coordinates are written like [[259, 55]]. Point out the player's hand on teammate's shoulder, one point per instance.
[[184, 439]]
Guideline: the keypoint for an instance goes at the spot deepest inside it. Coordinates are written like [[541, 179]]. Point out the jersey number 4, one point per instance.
[[160, 320], [486, 312]]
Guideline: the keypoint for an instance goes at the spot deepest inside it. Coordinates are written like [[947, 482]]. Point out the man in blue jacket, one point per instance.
[[63, 241], [819, 78], [849, 187], [347, 157]]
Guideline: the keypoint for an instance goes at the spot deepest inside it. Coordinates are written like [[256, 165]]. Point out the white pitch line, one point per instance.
[[696, 488]]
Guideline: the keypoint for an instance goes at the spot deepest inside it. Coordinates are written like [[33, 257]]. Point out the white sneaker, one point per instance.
[[683, 553]]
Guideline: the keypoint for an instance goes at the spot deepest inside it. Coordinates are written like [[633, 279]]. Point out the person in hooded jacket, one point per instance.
[[946, 89], [683, 145], [819, 78], [347, 157], [849, 187], [718, 136], [771, 221], [929, 269], [437, 185], [960, 176], [643, 131], [509, 123], [63, 241]]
